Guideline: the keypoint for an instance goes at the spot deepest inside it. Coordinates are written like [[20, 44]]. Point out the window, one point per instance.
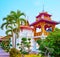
[[49, 29], [38, 29]]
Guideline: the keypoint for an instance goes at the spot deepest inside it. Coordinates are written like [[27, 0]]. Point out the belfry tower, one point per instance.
[[43, 25]]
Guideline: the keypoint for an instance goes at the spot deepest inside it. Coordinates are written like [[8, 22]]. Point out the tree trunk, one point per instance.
[[14, 40]]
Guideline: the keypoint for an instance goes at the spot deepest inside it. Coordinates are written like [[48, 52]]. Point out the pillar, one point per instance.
[[53, 27], [42, 28]]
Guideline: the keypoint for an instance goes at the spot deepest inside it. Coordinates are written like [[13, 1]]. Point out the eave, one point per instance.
[[45, 20]]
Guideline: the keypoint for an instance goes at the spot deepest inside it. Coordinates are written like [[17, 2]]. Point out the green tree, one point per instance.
[[5, 43], [51, 44]]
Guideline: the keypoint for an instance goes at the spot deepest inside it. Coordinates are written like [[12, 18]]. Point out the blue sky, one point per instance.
[[31, 8]]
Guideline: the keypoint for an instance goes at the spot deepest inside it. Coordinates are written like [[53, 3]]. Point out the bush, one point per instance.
[[5, 45], [15, 53], [33, 55]]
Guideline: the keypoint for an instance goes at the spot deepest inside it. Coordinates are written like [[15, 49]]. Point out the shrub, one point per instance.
[[5, 45], [33, 55], [14, 53]]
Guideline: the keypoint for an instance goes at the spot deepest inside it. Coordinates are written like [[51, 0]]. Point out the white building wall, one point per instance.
[[27, 34]]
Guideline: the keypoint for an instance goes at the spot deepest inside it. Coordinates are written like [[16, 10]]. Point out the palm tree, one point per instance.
[[17, 16], [12, 24], [8, 24]]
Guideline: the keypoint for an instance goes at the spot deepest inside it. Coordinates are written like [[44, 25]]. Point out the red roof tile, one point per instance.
[[26, 27], [43, 13], [42, 20]]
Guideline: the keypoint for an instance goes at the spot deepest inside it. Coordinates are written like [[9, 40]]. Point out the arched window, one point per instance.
[[48, 28], [38, 29]]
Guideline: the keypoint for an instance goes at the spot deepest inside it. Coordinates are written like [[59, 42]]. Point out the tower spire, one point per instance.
[[43, 6]]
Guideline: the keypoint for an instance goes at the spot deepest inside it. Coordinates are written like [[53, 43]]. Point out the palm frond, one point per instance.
[[7, 25], [15, 30], [13, 13], [19, 13], [8, 32], [10, 27], [3, 25], [4, 19], [22, 14], [8, 36], [23, 20]]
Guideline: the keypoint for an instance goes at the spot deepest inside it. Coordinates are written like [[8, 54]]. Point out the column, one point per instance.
[[42, 28], [53, 27]]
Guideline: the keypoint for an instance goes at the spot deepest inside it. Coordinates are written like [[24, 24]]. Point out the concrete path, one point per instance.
[[3, 53]]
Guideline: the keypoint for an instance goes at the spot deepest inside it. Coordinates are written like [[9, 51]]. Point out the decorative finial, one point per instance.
[[43, 6]]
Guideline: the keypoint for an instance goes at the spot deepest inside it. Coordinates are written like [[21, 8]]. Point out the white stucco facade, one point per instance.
[[26, 33]]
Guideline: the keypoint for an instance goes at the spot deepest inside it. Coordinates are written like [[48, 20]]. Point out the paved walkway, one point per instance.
[[3, 53]]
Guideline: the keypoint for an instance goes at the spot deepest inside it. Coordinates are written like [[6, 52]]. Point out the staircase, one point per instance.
[[3, 53]]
